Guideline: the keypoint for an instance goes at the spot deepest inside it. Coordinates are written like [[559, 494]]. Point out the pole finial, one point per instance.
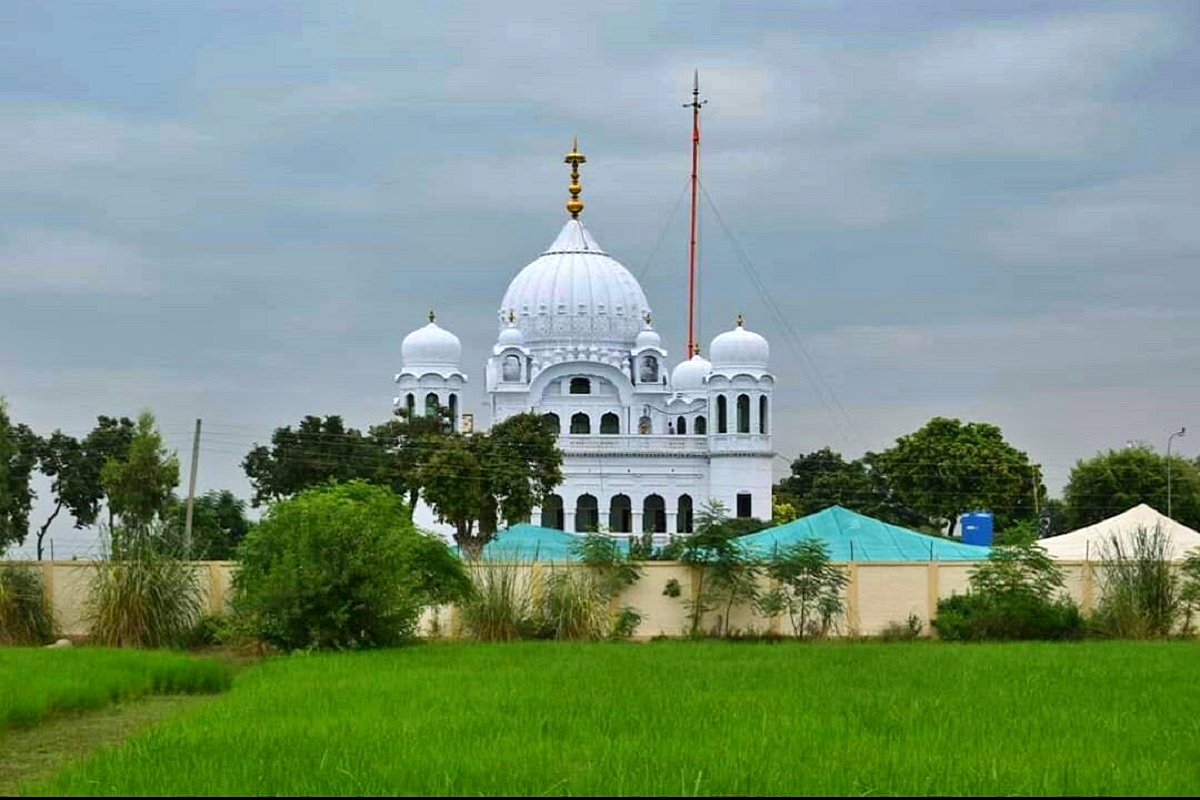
[[512, 317], [740, 320], [575, 158], [431, 315]]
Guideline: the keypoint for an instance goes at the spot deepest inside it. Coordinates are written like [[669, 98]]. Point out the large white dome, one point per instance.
[[431, 348], [576, 291], [739, 348]]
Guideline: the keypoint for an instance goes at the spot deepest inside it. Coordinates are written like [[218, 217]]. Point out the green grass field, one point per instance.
[[36, 682], [680, 718]]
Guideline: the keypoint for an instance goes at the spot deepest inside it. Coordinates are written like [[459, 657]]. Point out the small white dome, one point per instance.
[[739, 348], [688, 376], [648, 338], [511, 336], [431, 346]]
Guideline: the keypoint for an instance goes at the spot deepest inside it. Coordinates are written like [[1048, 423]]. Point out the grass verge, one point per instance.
[[676, 718]]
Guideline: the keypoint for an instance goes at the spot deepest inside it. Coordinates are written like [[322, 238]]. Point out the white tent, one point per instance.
[[1087, 543]]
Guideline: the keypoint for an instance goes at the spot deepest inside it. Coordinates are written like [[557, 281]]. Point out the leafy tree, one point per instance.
[[724, 571], [407, 440], [318, 451], [108, 441], [474, 481], [219, 525], [18, 457], [823, 478], [1116, 480], [139, 486], [74, 473], [341, 566], [949, 467], [809, 588]]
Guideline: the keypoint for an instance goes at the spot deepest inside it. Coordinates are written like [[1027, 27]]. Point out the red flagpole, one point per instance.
[[695, 106]]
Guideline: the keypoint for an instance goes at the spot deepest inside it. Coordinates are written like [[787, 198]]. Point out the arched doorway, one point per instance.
[[654, 515], [550, 423], [762, 414], [587, 514], [552, 512], [610, 423], [722, 414], [681, 425], [620, 514], [580, 423], [701, 426]]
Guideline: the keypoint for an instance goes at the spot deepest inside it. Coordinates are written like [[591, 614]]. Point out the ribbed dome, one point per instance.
[[739, 348], [431, 347], [688, 376], [576, 291]]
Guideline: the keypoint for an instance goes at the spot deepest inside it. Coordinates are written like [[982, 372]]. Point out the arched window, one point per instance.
[[743, 413], [649, 370], [550, 422], [610, 423], [620, 514], [654, 515], [453, 412], [587, 514], [701, 425], [512, 368], [644, 425], [762, 414], [410, 403], [431, 405], [681, 425], [580, 423], [722, 414], [683, 520], [552, 512], [580, 386]]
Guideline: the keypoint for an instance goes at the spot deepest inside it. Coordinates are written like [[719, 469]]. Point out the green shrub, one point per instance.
[[341, 566], [1015, 594], [25, 614], [146, 598], [1139, 589], [575, 605], [1189, 588], [809, 588], [905, 631]]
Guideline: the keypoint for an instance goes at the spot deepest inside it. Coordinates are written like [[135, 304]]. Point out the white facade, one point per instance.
[[644, 447]]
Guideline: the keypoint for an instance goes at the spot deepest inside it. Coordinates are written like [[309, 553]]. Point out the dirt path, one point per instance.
[[53, 743]]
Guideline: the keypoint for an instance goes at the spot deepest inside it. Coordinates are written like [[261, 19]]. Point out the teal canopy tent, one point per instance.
[[854, 537], [526, 542]]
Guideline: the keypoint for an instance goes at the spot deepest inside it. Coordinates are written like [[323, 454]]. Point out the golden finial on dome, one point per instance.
[[647, 317], [575, 158], [740, 320], [695, 348], [431, 315], [511, 317]]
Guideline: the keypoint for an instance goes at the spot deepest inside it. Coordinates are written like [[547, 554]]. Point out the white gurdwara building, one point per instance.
[[643, 446]]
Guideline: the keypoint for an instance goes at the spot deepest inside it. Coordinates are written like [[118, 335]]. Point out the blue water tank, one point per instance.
[[976, 528]]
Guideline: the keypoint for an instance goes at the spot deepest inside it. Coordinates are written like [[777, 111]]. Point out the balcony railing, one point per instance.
[[632, 444]]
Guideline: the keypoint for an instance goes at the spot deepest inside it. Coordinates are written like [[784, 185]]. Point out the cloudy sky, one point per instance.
[[235, 210]]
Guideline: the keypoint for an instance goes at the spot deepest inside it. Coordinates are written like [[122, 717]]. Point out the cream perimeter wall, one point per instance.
[[877, 593]]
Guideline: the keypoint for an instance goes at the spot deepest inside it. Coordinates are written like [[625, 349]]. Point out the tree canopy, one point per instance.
[[1116, 480], [474, 481], [948, 467], [139, 486], [318, 451], [19, 447], [219, 524]]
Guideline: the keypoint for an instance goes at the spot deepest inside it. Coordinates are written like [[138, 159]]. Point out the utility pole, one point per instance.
[[1180, 432], [187, 530]]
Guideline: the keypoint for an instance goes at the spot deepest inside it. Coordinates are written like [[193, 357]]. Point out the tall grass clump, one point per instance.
[[142, 596], [26, 616], [1189, 589], [340, 566], [1139, 590], [501, 606]]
